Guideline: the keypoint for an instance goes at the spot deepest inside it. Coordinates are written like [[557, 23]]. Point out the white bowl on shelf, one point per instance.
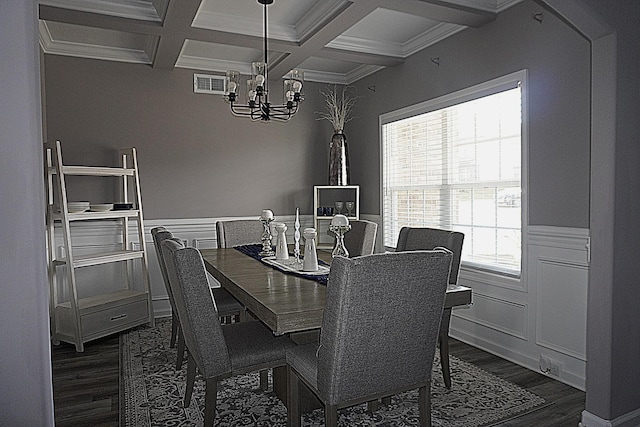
[[77, 207], [101, 207]]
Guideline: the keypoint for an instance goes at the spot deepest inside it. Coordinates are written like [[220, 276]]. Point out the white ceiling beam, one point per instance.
[[178, 19], [442, 10], [324, 34]]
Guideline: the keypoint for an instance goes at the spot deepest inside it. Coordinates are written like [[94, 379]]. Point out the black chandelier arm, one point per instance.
[[244, 110], [265, 111], [285, 109]]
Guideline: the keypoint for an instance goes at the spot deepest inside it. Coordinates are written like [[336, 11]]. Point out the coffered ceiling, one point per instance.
[[333, 41]]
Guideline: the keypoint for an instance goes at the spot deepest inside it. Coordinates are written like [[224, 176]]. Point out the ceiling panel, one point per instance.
[[336, 41]]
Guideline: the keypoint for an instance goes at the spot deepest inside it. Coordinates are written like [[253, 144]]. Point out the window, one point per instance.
[[455, 163]]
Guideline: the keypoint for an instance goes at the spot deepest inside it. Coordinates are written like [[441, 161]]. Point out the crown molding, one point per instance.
[[312, 20], [132, 9], [91, 51], [398, 50], [431, 37], [207, 64]]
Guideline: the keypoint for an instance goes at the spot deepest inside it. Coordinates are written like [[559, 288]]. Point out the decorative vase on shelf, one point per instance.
[[338, 159]]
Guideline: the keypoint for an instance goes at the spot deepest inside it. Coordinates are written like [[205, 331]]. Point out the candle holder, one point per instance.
[[296, 237], [339, 231], [267, 237]]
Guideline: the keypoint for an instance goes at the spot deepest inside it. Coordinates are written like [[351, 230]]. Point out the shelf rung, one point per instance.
[[101, 258], [97, 171], [84, 216]]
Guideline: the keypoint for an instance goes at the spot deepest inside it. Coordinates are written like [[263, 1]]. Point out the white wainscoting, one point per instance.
[[542, 315]]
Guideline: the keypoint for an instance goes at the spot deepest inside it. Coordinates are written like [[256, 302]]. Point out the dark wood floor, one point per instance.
[[85, 386]]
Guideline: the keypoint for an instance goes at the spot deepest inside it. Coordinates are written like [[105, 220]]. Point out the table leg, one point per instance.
[[443, 341], [308, 400]]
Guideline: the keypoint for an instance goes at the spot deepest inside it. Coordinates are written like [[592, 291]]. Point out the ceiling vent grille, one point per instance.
[[204, 83]]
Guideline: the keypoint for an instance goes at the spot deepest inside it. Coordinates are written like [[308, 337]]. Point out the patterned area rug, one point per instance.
[[152, 393]]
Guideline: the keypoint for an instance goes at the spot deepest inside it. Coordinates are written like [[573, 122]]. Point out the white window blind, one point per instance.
[[455, 163]]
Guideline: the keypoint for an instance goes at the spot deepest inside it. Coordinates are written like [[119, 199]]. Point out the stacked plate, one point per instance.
[[101, 207], [77, 207], [122, 206]]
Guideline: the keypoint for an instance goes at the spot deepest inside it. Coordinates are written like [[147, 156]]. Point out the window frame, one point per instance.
[[490, 87]]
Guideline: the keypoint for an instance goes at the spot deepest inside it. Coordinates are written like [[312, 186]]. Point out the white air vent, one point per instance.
[[204, 83]]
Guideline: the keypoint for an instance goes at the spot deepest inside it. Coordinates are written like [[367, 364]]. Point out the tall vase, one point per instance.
[[338, 160]]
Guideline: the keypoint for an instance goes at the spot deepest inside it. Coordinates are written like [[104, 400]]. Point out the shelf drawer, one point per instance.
[[113, 319]]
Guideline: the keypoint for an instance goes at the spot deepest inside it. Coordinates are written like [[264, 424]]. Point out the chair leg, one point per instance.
[[191, 379], [331, 415], [210, 401], [174, 329], [373, 405], [180, 351], [444, 360], [424, 404], [443, 342], [293, 399], [264, 380]]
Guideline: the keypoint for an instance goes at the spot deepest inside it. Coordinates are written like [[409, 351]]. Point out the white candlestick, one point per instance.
[[296, 235]]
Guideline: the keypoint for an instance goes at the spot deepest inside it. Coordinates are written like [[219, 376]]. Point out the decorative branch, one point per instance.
[[338, 107]]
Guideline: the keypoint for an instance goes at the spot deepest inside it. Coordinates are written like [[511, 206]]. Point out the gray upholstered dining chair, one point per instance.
[[380, 324], [226, 304], [238, 232], [361, 239], [217, 351], [419, 238]]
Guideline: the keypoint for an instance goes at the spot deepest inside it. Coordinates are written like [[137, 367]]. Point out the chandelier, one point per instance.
[[258, 106]]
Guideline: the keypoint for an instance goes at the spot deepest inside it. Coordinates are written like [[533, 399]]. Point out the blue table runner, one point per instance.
[[254, 252]]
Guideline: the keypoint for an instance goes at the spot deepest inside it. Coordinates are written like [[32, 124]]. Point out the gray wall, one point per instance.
[[558, 61], [196, 159], [193, 150], [26, 394]]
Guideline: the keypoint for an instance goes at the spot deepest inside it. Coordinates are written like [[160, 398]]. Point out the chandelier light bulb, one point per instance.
[[260, 80], [297, 86], [232, 86]]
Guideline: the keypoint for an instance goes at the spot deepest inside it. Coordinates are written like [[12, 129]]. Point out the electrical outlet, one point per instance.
[[549, 366], [544, 364]]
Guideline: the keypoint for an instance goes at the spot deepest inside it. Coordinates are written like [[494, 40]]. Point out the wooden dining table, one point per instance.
[[285, 302]]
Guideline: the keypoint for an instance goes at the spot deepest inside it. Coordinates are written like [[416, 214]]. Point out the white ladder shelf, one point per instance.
[[77, 319]]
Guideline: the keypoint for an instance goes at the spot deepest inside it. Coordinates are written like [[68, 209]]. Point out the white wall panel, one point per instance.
[[561, 318], [499, 314]]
